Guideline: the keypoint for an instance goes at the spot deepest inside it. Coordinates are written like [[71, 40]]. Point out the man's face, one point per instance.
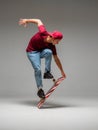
[[55, 41]]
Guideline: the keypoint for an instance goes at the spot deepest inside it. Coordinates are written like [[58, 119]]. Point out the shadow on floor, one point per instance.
[[46, 105]]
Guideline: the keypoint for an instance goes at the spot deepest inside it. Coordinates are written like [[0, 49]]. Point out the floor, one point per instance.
[[58, 114]]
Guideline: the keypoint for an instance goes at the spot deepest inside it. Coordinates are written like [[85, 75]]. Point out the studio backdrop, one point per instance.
[[78, 51]]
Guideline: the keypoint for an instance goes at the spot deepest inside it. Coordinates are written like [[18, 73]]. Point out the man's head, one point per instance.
[[55, 37]]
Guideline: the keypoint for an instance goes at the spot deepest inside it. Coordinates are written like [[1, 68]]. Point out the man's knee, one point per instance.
[[48, 52]]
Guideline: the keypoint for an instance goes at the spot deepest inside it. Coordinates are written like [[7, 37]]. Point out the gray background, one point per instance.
[[78, 51]]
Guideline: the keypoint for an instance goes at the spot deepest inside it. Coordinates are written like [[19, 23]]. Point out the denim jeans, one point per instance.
[[35, 59]]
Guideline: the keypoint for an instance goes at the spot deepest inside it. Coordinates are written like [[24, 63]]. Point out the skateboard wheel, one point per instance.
[[54, 80]]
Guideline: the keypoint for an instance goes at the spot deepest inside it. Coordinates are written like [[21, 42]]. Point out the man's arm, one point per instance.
[[57, 60], [25, 21]]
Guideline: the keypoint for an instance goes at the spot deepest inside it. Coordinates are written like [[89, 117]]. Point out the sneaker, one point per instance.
[[48, 75], [40, 93]]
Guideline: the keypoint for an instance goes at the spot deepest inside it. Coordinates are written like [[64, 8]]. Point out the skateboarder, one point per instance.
[[42, 45]]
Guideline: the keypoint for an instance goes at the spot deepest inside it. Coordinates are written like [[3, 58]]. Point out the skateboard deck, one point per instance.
[[56, 83]]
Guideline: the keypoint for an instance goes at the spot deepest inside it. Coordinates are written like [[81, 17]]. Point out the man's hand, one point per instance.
[[63, 74], [23, 22]]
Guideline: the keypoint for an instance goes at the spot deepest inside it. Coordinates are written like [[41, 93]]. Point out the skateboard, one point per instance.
[[56, 83]]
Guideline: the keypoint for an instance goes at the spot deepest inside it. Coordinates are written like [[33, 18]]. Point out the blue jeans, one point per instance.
[[35, 59]]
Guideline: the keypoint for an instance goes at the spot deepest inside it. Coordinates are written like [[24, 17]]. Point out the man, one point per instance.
[[42, 45]]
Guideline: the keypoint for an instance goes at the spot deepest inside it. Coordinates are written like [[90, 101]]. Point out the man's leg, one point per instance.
[[47, 54], [35, 60]]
